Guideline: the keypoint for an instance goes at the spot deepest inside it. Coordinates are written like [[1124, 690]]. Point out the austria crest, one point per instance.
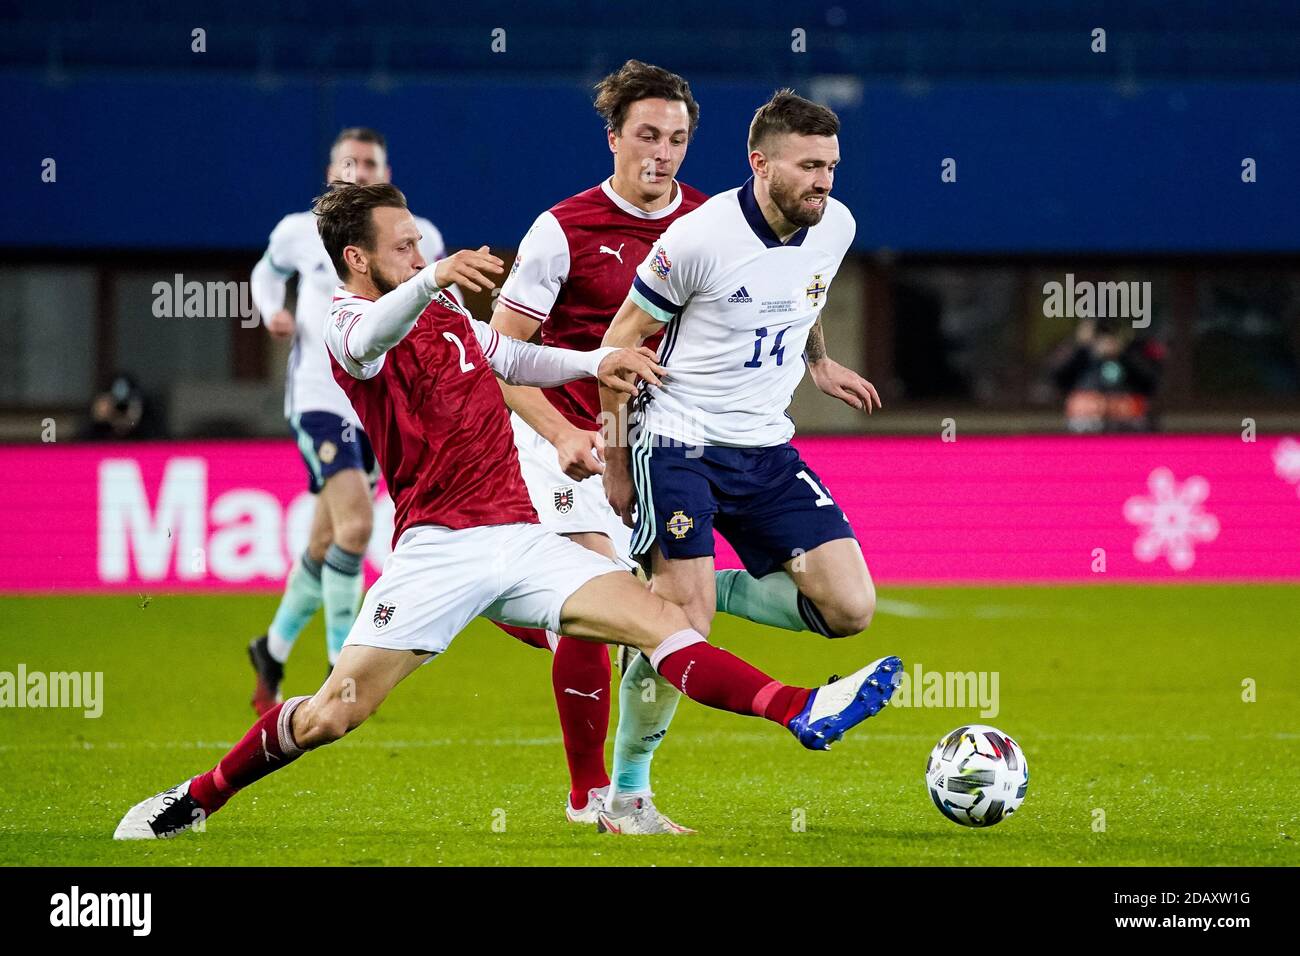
[[564, 499], [384, 614]]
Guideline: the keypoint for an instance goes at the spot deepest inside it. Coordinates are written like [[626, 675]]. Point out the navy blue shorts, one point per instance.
[[766, 502], [330, 444]]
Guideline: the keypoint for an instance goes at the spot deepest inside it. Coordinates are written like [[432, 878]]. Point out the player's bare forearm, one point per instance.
[[628, 329], [612, 412], [815, 350], [532, 405], [631, 326], [833, 378]]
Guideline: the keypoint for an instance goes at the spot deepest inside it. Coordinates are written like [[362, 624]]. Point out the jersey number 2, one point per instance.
[[460, 347]]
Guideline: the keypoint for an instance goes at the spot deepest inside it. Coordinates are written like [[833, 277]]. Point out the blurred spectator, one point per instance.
[[1108, 384], [122, 411]]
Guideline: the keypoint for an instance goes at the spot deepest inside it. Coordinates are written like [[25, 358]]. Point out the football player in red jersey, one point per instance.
[[571, 274], [421, 375]]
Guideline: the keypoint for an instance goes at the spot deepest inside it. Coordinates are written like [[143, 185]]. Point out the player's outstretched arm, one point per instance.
[[579, 452], [385, 322], [523, 363], [468, 267], [833, 378]]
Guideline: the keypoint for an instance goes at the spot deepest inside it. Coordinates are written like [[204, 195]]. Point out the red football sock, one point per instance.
[[580, 676], [267, 747], [781, 702], [532, 636], [720, 679]]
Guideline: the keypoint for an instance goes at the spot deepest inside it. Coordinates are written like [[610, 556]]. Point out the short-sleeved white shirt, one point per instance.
[[739, 305]]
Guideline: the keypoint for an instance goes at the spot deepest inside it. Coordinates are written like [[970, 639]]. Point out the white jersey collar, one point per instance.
[[637, 211]]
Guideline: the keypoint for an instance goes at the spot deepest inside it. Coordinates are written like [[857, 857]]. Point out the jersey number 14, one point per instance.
[[778, 350]]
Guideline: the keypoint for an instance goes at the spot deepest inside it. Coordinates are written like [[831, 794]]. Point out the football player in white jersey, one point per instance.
[[341, 469], [738, 285]]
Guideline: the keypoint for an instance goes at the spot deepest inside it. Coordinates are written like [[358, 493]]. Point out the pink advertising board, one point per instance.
[[229, 515]]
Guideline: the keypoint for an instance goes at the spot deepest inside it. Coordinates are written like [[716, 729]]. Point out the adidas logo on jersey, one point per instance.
[[739, 297]]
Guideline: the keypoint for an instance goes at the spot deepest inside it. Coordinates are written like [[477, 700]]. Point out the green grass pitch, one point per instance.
[[1126, 700]]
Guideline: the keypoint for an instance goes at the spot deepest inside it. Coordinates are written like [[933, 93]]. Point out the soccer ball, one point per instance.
[[977, 776]]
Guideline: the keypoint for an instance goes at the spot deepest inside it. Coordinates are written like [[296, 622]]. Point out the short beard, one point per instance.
[[790, 205], [384, 284]]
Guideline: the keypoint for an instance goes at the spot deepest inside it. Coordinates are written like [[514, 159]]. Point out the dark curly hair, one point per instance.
[[635, 81]]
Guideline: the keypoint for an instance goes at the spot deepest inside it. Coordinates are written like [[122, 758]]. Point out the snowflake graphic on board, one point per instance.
[[1286, 461], [1171, 519]]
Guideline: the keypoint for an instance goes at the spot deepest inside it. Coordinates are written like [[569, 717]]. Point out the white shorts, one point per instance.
[[437, 580], [564, 505]]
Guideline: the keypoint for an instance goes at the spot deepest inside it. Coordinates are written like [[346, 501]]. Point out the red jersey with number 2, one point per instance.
[[436, 419]]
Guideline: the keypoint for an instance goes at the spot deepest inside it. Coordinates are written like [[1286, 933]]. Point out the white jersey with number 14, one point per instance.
[[738, 305]]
